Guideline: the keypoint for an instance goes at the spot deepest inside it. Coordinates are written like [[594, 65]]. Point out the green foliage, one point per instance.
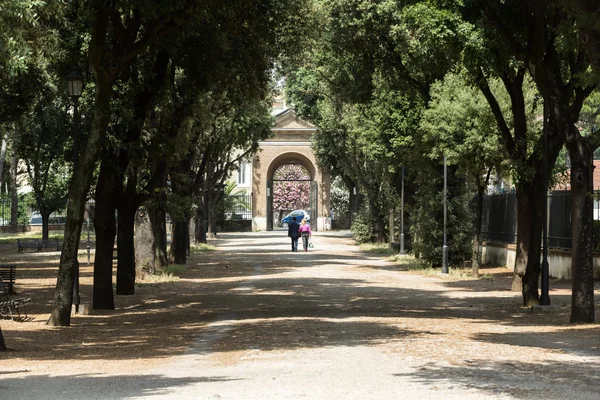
[[339, 196], [233, 202], [26, 32], [460, 124], [428, 217], [362, 228], [42, 145]]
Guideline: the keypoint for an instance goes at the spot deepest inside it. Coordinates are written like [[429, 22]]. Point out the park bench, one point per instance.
[[8, 273], [52, 243], [14, 308], [23, 244]]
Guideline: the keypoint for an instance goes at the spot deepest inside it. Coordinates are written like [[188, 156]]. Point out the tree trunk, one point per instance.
[[529, 239], [2, 343], [379, 220], [582, 297], [106, 230], [200, 226], [476, 238], [524, 213], [391, 227], [212, 216], [45, 231], [158, 220], [78, 190], [14, 195], [125, 245], [179, 240], [144, 244]]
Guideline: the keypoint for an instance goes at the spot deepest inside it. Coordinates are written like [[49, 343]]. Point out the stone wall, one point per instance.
[[559, 261]]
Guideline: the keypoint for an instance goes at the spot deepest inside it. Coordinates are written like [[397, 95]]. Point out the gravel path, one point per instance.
[[336, 323]]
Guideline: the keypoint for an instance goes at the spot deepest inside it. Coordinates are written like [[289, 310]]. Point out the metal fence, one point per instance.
[[234, 213], [31, 217], [5, 205], [500, 219]]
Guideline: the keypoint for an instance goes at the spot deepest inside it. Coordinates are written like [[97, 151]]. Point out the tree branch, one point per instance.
[[495, 107]]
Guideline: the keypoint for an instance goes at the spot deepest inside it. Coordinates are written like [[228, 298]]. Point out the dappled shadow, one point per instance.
[[88, 386], [550, 380], [227, 301], [576, 341]]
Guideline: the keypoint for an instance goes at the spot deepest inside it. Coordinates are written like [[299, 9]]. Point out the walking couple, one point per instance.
[[296, 230]]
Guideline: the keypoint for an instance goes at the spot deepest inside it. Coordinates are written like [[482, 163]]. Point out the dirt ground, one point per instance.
[[254, 320]]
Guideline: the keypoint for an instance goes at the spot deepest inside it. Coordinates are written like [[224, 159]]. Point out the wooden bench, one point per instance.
[[52, 243], [23, 244], [14, 308], [8, 274]]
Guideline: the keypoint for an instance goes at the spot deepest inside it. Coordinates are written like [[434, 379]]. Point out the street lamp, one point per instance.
[[75, 82], [545, 297], [445, 247], [402, 216]]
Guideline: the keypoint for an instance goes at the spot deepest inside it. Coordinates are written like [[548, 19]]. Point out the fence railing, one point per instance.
[[31, 217], [234, 213], [499, 222]]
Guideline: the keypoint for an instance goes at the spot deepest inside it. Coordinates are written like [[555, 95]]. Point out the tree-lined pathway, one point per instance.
[[261, 322]]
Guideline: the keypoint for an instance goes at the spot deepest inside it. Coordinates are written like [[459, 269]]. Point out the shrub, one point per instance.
[[362, 228]]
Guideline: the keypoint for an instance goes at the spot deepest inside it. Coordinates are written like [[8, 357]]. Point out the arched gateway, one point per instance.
[[291, 144]]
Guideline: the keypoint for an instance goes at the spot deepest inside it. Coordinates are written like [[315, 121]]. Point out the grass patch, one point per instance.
[[175, 269], [459, 273], [169, 275], [378, 248], [202, 248], [12, 237]]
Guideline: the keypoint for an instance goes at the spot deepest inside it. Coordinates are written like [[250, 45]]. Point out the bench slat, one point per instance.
[[8, 274]]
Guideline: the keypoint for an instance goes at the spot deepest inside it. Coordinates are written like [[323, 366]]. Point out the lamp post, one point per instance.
[[445, 247], [545, 297], [75, 82], [402, 215]]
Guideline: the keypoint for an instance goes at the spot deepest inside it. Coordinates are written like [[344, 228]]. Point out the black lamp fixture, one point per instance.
[[75, 80]]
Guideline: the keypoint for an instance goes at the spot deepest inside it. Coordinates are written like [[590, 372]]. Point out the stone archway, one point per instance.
[[291, 144]]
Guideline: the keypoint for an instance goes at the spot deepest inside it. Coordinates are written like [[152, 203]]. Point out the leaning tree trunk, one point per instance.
[[125, 245], [106, 231], [582, 268], [78, 190]]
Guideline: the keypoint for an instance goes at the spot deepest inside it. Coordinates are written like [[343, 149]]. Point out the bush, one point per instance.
[[362, 229], [427, 219]]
